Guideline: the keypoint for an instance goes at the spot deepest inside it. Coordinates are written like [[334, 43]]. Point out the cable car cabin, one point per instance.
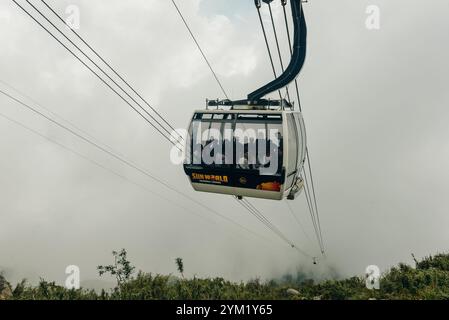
[[246, 153]]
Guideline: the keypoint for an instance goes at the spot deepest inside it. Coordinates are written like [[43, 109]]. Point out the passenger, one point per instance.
[[213, 147], [252, 153], [228, 155], [244, 164]]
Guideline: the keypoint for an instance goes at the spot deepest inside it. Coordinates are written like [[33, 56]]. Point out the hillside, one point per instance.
[[428, 279]]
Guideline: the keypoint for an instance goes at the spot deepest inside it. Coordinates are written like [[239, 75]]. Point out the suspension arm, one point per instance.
[[298, 57]]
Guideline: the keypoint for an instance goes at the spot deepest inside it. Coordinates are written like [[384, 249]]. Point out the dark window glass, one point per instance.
[[292, 144]]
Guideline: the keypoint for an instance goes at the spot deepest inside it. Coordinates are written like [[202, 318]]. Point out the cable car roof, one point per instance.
[[255, 112]]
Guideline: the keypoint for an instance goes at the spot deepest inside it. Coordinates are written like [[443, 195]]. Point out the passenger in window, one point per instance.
[[252, 153]]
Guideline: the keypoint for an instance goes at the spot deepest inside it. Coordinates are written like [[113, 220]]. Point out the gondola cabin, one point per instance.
[[246, 153]]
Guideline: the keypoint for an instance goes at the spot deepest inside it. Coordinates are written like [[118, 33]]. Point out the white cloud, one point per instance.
[[374, 103]]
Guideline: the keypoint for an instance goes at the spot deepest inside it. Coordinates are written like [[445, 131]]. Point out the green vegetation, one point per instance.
[[180, 266], [428, 279], [122, 269]]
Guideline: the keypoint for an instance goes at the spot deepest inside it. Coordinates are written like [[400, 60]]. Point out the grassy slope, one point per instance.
[[429, 279]]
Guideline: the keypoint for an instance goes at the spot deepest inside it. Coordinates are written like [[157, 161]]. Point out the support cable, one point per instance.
[[200, 49], [272, 227], [97, 75], [121, 159], [267, 45], [295, 216], [278, 47], [311, 198], [284, 2], [112, 69]]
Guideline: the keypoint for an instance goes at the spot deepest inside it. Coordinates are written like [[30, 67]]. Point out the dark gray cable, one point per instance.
[[272, 227], [121, 159], [307, 150], [277, 45], [110, 67], [200, 49], [96, 74], [268, 47]]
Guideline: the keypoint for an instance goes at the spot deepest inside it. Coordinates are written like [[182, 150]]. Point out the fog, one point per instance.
[[374, 101]]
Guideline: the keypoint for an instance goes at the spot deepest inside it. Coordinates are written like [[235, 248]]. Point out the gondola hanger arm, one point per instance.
[[298, 57]]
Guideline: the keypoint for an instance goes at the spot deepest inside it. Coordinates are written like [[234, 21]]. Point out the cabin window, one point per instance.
[[301, 138], [292, 149], [243, 141], [258, 146], [210, 137]]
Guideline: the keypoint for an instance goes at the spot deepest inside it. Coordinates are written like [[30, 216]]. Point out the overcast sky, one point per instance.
[[375, 104]]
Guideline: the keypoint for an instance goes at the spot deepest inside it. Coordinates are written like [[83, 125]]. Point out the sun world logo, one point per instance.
[[210, 177]]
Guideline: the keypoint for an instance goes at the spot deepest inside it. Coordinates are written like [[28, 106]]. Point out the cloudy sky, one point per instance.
[[375, 104]]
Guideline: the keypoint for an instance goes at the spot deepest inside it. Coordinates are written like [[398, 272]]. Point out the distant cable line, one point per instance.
[[200, 49], [309, 192], [51, 112], [123, 160], [295, 216], [315, 201], [111, 68], [245, 203], [277, 45], [248, 206], [267, 45], [261, 217], [97, 75], [312, 211], [291, 50], [98, 164]]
